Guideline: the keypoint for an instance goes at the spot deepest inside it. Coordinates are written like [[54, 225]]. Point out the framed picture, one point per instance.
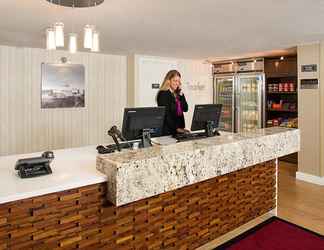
[[63, 86]]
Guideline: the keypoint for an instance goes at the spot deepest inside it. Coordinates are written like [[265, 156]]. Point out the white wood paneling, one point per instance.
[[309, 157], [152, 70], [196, 73], [145, 70], [25, 127]]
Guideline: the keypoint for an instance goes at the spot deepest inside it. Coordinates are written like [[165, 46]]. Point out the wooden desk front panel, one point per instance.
[[182, 219]]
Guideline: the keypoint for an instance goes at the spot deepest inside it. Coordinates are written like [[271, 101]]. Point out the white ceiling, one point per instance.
[[178, 28]]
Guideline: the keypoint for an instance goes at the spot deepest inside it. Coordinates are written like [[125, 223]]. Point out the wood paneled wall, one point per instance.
[[25, 127]]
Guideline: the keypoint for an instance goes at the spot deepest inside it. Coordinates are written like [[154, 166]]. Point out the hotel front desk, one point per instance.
[[177, 196]]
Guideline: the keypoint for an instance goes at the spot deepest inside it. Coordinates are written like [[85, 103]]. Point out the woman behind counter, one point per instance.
[[171, 97]]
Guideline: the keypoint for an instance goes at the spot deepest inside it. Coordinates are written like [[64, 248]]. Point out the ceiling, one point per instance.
[[204, 29]]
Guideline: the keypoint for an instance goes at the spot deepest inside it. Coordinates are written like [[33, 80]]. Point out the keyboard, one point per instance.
[[189, 136], [123, 145], [192, 136], [113, 147]]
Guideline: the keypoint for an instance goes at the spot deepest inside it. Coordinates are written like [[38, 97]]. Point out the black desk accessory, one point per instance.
[[115, 133], [105, 150], [143, 124], [138, 124], [146, 138], [36, 166], [194, 136], [206, 117], [113, 147]]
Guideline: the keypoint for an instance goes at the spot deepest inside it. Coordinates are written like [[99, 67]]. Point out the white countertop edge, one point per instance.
[[45, 191]]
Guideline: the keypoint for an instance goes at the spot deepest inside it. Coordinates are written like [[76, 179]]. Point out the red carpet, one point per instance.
[[276, 234]]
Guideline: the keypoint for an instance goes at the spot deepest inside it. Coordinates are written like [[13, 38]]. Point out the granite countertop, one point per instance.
[[135, 175]]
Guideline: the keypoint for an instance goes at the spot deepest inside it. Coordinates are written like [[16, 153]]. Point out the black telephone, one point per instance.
[[36, 166]]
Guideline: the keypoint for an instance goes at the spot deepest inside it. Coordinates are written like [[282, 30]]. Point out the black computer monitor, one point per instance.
[[206, 117], [143, 123]]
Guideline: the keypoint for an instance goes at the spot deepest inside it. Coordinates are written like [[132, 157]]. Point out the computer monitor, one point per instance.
[[143, 123], [206, 117]]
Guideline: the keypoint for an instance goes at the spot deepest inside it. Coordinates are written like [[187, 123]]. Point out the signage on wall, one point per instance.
[[155, 85], [309, 84], [198, 86], [309, 68]]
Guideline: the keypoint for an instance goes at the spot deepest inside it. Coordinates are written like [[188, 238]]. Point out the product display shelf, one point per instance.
[[282, 95]]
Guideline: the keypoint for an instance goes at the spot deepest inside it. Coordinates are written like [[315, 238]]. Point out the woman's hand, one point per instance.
[[179, 89]]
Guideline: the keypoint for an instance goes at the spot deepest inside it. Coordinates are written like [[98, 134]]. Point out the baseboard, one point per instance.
[[310, 178]]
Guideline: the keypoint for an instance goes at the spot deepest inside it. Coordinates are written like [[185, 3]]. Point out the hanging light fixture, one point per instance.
[[55, 35], [73, 43], [59, 34], [95, 42], [50, 39], [88, 33]]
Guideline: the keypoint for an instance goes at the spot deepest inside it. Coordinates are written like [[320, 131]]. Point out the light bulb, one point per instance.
[[59, 34], [95, 42], [88, 31], [73, 45], [50, 39]]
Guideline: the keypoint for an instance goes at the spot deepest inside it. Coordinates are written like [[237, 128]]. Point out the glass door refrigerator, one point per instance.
[[249, 101], [240, 89], [224, 94]]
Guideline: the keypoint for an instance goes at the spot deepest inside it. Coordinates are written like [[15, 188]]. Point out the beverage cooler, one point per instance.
[[239, 87]]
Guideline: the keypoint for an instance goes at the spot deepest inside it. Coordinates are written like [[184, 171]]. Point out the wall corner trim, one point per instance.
[[310, 178]]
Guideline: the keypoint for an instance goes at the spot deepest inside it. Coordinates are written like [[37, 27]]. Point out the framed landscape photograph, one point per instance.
[[63, 86]]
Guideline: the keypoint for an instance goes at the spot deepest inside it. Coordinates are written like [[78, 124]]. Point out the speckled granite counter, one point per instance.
[[135, 175]]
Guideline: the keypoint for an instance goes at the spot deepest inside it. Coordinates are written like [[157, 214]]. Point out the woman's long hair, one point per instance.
[[166, 82]]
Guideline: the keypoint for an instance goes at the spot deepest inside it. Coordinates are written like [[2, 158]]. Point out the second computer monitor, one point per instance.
[[206, 115], [138, 120]]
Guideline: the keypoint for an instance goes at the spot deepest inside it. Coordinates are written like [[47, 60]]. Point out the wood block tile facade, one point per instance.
[[182, 219]]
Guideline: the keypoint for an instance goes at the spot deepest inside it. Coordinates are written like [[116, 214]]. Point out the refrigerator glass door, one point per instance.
[[223, 94], [249, 102]]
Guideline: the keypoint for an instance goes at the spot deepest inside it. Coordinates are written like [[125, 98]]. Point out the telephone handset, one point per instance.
[[178, 91]]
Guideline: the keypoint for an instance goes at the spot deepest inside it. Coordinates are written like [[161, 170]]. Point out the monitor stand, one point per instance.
[[209, 130], [146, 138]]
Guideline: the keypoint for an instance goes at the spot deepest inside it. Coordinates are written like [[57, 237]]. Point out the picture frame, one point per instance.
[[62, 85]]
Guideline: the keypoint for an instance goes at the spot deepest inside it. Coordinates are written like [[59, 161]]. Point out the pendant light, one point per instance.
[[88, 33], [55, 34], [95, 42], [73, 43], [50, 39], [59, 34]]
